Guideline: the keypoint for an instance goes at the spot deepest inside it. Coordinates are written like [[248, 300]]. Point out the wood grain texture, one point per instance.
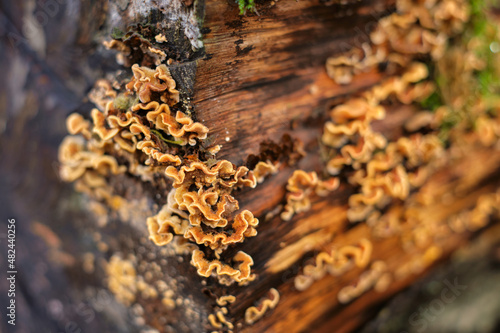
[[317, 308], [264, 75], [263, 72]]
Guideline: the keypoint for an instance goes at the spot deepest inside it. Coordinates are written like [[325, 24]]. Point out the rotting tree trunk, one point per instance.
[[256, 79]]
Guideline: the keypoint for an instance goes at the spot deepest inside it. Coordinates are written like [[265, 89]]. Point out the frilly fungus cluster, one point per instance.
[[375, 277], [139, 129], [254, 313], [387, 171], [416, 28], [336, 262], [218, 320], [300, 186], [383, 170], [136, 131], [453, 113]]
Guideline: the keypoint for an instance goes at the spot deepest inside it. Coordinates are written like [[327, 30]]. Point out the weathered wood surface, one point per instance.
[[318, 307], [264, 72], [258, 77]]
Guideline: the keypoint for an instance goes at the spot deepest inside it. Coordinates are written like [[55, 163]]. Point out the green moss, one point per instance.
[[245, 5], [446, 126], [116, 33], [432, 102], [480, 36], [477, 7], [123, 102], [486, 32]]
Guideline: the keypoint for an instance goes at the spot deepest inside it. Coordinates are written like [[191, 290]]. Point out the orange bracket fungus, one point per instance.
[[254, 313], [144, 128]]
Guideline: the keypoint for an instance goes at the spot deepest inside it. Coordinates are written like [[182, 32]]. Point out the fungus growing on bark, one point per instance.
[[132, 47], [140, 132], [147, 81], [102, 94], [381, 176], [203, 194], [241, 274], [160, 38], [487, 205], [254, 313], [76, 160], [76, 124], [414, 28], [124, 126], [264, 169], [218, 319], [224, 300], [182, 128], [336, 262], [367, 280], [300, 186], [343, 68]]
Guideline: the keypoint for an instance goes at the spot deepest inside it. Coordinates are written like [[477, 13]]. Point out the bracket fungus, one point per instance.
[[371, 278], [415, 28], [300, 186], [390, 175], [254, 313], [383, 179], [242, 274], [336, 263], [135, 130]]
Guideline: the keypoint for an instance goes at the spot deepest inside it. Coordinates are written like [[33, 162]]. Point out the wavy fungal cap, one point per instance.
[[135, 130]]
